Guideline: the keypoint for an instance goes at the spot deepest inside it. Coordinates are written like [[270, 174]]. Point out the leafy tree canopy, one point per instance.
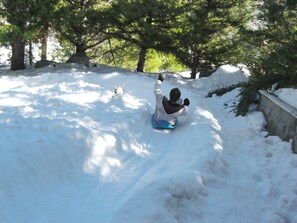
[[207, 32], [274, 44]]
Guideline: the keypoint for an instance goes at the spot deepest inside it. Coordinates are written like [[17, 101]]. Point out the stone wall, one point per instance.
[[281, 118]]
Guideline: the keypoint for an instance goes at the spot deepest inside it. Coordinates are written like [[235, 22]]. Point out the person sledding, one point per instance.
[[168, 110]]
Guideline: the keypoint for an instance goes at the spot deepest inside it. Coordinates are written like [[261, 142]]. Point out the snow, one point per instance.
[[77, 145], [4, 55], [288, 95], [224, 76]]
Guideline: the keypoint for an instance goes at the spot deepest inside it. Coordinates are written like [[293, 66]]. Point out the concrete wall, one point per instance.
[[281, 118]]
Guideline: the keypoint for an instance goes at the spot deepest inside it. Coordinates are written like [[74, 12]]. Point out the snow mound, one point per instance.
[[224, 76], [76, 145]]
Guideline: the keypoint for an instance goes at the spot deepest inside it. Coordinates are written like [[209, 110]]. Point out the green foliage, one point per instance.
[[4, 30], [154, 61], [274, 45], [170, 63], [143, 23], [25, 18], [126, 56], [115, 52], [194, 32], [81, 22], [223, 90], [249, 92], [63, 53], [158, 62], [207, 32]]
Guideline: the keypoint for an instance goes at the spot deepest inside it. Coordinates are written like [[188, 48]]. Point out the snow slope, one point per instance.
[[71, 150]]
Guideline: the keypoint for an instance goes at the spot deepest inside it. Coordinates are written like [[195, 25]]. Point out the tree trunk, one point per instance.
[[80, 56], [141, 59], [193, 73], [18, 55], [80, 48], [44, 48], [30, 53], [194, 67], [111, 51]]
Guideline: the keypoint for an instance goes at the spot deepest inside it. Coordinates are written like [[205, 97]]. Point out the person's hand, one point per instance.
[[186, 102], [161, 77]]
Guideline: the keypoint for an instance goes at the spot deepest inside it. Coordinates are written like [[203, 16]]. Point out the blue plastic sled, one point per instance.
[[161, 124]]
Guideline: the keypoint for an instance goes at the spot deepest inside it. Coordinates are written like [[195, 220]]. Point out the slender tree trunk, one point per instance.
[[111, 51], [194, 67], [30, 53], [193, 73], [141, 59], [18, 55], [44, 48]]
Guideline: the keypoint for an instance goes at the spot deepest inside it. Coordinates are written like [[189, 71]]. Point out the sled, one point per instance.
[[161, 124]]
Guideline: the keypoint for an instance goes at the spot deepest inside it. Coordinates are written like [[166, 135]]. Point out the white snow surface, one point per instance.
[[73, 151], [224, 76], [288, 95]]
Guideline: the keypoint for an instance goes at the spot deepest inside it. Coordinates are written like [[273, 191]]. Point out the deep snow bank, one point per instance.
[[74, 151]]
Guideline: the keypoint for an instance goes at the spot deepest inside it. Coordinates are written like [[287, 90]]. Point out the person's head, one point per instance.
[[174, 94]]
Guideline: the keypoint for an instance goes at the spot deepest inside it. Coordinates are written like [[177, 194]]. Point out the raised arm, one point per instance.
[[157, 88]]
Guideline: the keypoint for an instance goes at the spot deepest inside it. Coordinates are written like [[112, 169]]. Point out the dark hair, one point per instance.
[[174, 94]]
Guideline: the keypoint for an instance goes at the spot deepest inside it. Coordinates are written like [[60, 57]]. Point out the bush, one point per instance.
[[270, 71], [273, 43], [223, 90]]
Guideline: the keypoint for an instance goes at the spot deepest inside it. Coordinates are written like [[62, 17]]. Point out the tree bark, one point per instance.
[[194, 67], [80, 56], [18, 55], [44, 48], [80, 48], [193, 73], [141, 59], [30, 53]]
